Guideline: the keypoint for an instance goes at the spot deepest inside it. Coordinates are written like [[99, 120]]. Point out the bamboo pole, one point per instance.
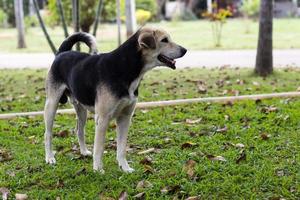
[[119, 23], [98, 15], [76, 22], [155, 104], [37, 10], [62, 17]]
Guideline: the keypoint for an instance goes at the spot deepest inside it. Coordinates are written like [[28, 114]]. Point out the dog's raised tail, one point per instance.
[[86, 38]]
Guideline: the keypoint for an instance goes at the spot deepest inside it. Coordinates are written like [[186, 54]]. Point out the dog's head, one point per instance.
[[158, 49]]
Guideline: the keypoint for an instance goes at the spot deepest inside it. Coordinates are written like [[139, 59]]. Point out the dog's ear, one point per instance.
[[147, 40]]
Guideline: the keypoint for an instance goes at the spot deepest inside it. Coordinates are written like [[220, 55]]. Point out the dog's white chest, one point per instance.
[[134, 85]]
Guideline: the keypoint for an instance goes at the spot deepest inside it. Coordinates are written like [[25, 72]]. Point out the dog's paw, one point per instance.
[[101, 171], [128, 170], [50, 160], [86, 153]]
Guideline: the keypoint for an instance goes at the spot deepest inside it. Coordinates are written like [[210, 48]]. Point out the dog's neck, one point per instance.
[[131, 65]]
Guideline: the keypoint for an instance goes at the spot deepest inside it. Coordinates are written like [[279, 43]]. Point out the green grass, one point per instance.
[[270, 170], [195, 35]]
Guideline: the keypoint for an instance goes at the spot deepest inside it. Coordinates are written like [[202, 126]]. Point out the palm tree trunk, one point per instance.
[[37, 10], [19, 15], [264, 57]]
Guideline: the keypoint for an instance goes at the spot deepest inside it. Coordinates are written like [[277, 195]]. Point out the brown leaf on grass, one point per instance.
[[146, 151], [81, 171], [60, 183], [140, 196], [21, 196], [123, 195], [216, 158], [269, 109], [223, 129], [5, 155], [189, 168], [202, 88], [143, 184], [257, 84], [239, 145], [265, 136], [146, 161], [188, 145], [63, 134], [240, 82], [170, 189], [148, 169], [193, 198], [226, 117], [241, 157], [193, 121], [280, 172], [5, 192], [104, 197]]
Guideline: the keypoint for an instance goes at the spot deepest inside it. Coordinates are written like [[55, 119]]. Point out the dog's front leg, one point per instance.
[[100, 130], [123, 123]]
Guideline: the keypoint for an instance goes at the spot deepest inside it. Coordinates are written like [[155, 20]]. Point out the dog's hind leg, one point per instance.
[[54, 92], [81, 121], [123, 123]]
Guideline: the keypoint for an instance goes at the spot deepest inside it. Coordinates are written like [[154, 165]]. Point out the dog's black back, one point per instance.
[[83, 73]]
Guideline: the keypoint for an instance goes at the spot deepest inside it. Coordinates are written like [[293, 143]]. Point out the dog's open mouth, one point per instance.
[[166, 60]]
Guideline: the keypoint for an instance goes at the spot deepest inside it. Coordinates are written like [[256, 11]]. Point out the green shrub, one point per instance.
[[87, 13], [31, 21], [3, 17], [250, 8], [142, 16]]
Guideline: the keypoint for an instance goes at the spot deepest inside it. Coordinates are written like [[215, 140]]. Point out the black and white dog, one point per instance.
[[105, 84]]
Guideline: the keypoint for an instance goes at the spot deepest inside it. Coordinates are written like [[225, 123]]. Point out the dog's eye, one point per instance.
[[165, 40]]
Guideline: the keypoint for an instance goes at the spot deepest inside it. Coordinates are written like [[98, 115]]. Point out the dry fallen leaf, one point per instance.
[[21, 196], [170, 189], [216, 158], [148, 169], [265, 136], [256, 83], [241, 157], [202, 89], [63, 134], [5, 192], [146, 161], [189, 168], [146, 151], [239, 145], [5, 155], [123, 195], [188, 145], [143, 184], [193, 121], [222, 129], [140, 196], [193, 198]]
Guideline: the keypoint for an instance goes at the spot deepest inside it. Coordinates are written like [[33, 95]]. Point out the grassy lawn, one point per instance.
[[257, 142], [196, 35]]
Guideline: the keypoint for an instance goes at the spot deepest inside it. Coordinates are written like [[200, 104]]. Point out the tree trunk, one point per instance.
[[5, 19], [19, 15], [130, 17], [264, 57], [76, 24], [119, 22], [31, 8]]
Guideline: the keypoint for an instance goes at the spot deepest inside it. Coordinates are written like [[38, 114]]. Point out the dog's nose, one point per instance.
[[183, 51]]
